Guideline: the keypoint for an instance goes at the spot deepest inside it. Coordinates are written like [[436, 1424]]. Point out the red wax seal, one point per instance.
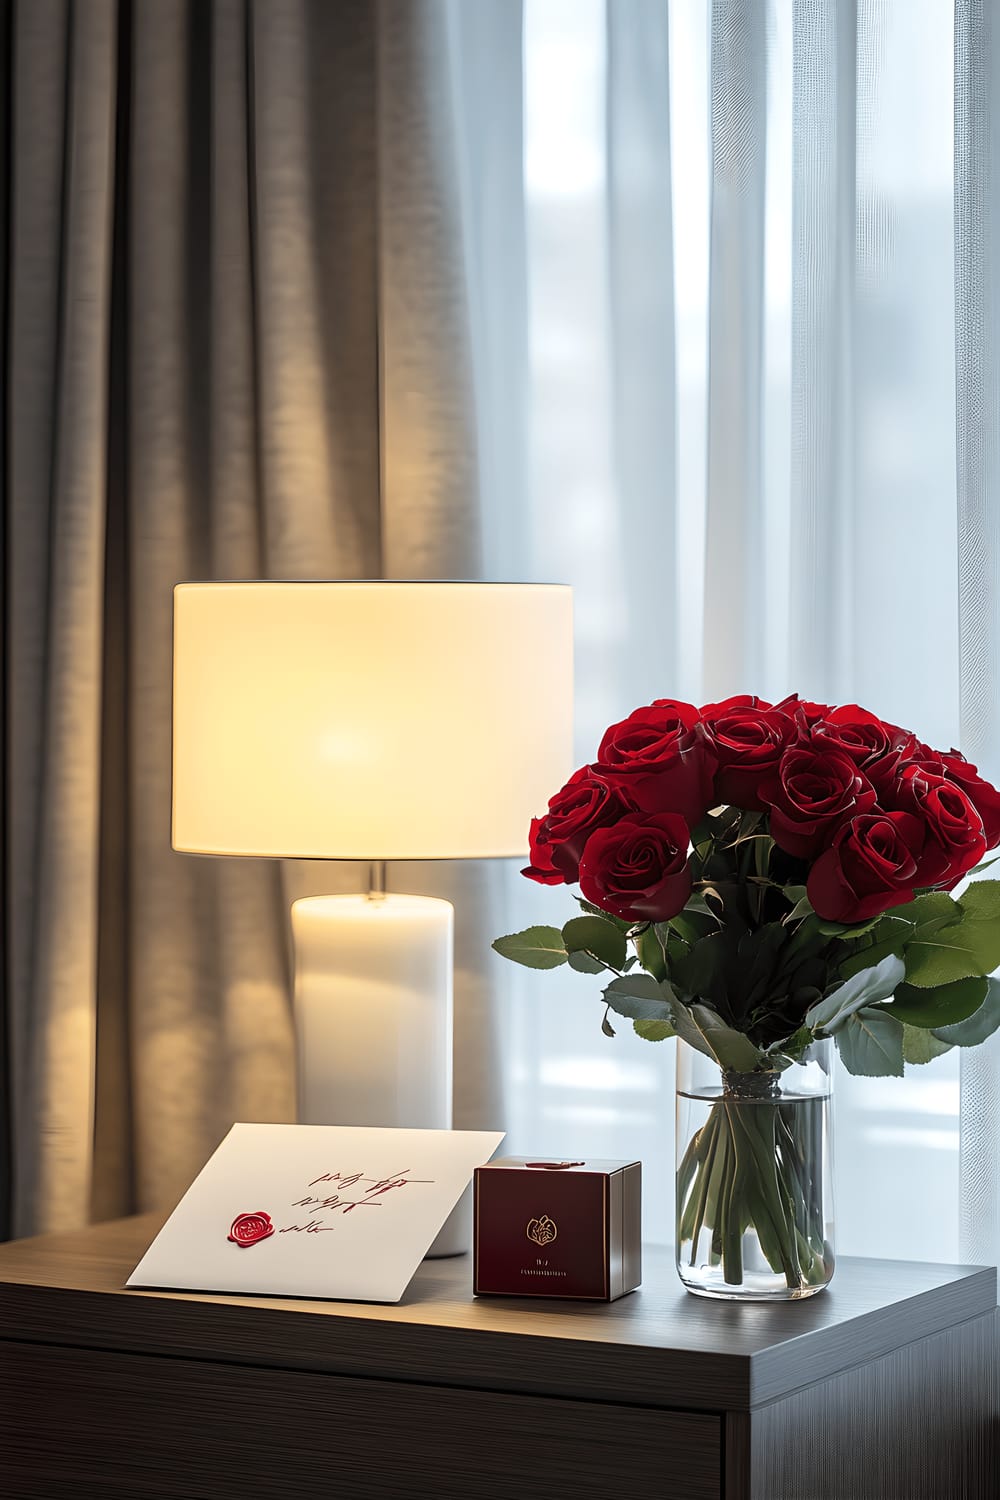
[[250, 1229]]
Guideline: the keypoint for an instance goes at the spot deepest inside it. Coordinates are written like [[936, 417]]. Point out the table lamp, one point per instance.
[[369, 721]]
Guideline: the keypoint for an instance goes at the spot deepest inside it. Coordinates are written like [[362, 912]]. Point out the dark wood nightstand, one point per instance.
[[883, 1388]]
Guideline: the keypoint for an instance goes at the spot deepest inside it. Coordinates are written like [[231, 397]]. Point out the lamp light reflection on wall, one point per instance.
[[370, 721]]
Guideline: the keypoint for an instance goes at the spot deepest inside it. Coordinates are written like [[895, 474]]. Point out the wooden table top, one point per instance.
[[659, 1346]]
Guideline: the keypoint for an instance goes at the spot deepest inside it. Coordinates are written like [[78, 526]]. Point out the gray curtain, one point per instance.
[[236, 348]]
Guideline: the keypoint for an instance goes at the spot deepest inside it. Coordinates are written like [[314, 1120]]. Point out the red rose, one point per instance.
[[747, 737], [812, 792], [802, 710], [556, 841], [657, 760], [870, 866], [250, 1229], [639, 868], [984, 797], [954, 840], [875, 747]]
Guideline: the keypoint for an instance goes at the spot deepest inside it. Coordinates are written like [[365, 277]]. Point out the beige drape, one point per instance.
[[236, 349]]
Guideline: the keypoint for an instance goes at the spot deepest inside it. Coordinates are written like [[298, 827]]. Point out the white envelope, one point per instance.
[[314, 1211]]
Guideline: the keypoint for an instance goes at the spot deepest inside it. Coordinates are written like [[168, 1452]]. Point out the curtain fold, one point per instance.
[[823, 523], [63, 182], [734, 530], [977, 348], [642, 336]]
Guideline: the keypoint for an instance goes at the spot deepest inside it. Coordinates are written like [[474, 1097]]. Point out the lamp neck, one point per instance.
[[376, 880]]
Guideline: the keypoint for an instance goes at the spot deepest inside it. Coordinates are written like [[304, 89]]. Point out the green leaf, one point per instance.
[[967, 949], [932, 910], [640, 997], [982, 901], [935, 962], [584, 964], [944, 1006], [790, 1050], [536, 947], [693, 924], [891, 936], [843, 930], [653, 1031], [862, 989], [963, 948], [920, 1045], [705, 1030], [870, 1044], [601, 939], [802, 908], [606, 916], [984, 866], [650, 951], [702, 970], [696, 903], [607, 1027], [982, 1024]]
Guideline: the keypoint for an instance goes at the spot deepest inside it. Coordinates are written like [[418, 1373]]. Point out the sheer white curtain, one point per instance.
[[716, 306], [977, 314]]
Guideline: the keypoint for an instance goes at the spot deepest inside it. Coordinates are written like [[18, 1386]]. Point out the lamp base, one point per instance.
[[373, 1019]]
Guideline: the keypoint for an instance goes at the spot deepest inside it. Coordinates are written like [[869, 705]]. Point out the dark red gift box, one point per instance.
[[551, 1228]]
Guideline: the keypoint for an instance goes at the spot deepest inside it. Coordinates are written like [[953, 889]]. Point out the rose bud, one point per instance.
[[747, 737], [639, 868], [876, 748], [656, 760], [953, 830], [813, 791], [556, 840], [870, 866]]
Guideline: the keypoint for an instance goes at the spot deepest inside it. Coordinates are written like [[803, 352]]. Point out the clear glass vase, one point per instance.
[[754, 1180]]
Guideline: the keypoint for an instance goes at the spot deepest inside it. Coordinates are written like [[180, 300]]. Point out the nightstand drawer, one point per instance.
[[92, 1423]]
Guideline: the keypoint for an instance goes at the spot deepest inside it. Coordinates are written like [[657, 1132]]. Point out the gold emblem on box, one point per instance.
[[541, 1231]]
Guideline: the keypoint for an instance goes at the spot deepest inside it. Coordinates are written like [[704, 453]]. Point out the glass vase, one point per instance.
[[754, 1181]]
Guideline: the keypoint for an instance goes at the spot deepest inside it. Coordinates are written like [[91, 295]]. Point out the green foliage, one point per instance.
[[896, 929], [944, 1006], [784, 1054], [980, 1025], [870, 1043], [536, 947], [863, 989], [600, 939], [941, 953], [748, 973], [640, 997], [653, 1031], [605, 916], [841, 930], [650, 952], [702, 969], [921, 1045], [929, 912], [704, 1030], [583, 963]]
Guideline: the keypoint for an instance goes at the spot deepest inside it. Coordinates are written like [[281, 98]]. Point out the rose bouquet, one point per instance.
[[755, 879]]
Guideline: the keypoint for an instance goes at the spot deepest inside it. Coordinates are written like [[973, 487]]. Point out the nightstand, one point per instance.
[[885, 1387]]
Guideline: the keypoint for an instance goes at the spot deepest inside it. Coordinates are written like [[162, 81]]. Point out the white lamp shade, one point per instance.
[[368, 720]]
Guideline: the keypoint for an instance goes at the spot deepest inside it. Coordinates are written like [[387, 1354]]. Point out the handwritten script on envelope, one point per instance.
[[314, 1211]]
